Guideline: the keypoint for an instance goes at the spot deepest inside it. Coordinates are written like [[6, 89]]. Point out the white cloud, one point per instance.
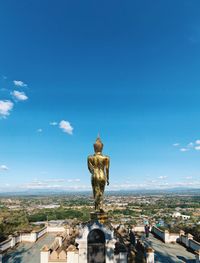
[[77, 180], [62, 184], [197, 148], [19, 95], [5, 107], [3, 167], [19, 83], [57, 184], [184, 149], [66, 127], [39, 130], [73, 180], [54, 180], [197, 142], [162, 177], [176, 144], [53, 123]]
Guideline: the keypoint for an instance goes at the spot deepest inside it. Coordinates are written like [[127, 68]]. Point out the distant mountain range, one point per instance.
[[118, 192]]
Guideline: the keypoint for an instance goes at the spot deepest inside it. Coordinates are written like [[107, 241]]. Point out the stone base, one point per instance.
[[101, 217]]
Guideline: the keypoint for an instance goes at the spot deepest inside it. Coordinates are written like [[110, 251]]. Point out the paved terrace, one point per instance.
[[28, 252], [169, 253]]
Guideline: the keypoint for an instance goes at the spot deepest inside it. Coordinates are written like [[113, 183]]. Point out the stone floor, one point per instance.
[[28, 252], [169, 253]]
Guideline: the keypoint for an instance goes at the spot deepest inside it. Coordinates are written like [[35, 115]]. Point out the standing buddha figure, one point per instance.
[[98, 165]]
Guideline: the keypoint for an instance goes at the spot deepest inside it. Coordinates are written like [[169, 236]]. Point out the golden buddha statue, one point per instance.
[[98, 165]]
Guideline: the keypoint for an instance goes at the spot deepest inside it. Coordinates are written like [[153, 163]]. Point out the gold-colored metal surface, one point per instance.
[[98, 165]]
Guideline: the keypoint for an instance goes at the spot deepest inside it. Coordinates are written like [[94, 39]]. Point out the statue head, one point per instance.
[[98, 145]]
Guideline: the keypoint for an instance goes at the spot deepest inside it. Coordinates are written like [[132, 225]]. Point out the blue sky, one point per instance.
[[128, 70]]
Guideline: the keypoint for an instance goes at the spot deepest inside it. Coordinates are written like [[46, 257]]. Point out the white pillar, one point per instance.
[[166, 236], [70, 257], [33, 236], [110, 246], [82, 251], [13, 241], [76, 258], [44, 256], [149, 255]]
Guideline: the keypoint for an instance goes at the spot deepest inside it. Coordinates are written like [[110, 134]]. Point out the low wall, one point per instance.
[[30, 237], [5, 245], [41, 232], [158, 232], [23, 237], [186, 240], [173, 237], [194, 245], [55, 229], [183, 239], [138, 229], [165, 235]]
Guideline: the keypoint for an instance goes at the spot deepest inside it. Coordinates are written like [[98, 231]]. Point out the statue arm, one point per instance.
[[107, 169], [90, 166]]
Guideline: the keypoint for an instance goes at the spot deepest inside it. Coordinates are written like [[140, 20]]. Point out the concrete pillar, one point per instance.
[[197, 256], [70, 257], [166, 236], [44, 256], [33, 236], [149, 255], [123, 257], [76, 258], [82, 251], [13, 241], [110, 246]]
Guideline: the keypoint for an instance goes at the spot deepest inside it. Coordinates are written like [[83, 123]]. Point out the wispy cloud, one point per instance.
[[66, 127], [5, 108], [73, 180], [195, 145], [162, 177], [19, 83], [53, 123], [19, 95], [3, 167], [176, 144], [184, 149], [76, 185], [57, 184], [39, 130]]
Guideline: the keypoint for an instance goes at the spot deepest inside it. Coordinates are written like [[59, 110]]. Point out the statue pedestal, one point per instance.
[[101, 217]]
